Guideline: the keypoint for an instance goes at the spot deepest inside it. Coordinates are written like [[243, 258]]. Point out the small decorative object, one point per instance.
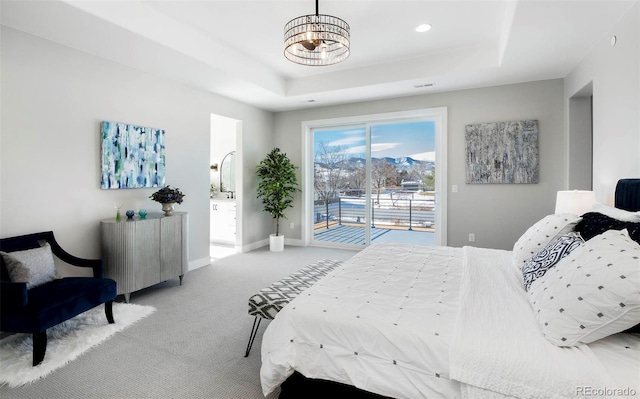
[[167, 208], [276, 186], [213, 190], [142, 213], [167, 196], [130, 214], [118, 217]]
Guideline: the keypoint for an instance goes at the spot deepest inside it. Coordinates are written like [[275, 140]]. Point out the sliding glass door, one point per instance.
[[403, 181], [340, 185], [374, 181]]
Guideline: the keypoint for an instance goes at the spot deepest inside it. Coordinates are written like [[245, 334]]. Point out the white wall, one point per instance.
[[615, 74], [53, 100], [497, 213]]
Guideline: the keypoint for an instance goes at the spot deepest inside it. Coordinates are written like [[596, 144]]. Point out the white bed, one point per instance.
[[409, 322], [382, 322]]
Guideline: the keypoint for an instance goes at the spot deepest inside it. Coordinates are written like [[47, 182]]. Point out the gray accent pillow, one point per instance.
[[32, 266]]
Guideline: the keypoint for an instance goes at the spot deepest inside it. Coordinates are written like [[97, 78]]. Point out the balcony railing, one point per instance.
[[400, 213]]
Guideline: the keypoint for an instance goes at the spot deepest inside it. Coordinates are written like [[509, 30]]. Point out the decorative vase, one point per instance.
[[118, 217], [142, 213], [167, 208], [276, 243], [130, 214]]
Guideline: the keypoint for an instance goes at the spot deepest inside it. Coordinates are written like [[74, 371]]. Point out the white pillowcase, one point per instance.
[[592, 293], [33, 266], [540, 234], [616, 213]]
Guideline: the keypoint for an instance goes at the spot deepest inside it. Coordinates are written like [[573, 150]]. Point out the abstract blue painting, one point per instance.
[[132, 156]]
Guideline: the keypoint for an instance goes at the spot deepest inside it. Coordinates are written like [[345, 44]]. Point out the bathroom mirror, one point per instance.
[[228, 173]]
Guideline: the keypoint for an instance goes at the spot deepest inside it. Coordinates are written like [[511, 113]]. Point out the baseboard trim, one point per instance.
[[198, 263], [263, 243], [296, 242], [255, 245]]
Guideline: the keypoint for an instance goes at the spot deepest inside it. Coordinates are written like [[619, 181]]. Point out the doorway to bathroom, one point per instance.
[[224, 183]]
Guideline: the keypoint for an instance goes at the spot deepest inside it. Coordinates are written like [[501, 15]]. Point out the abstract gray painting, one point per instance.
[[502, 152]]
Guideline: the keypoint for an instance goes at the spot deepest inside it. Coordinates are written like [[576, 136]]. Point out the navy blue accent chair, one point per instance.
[[35, 310]]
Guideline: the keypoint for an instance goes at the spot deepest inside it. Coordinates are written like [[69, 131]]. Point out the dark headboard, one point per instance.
[[628, 194]]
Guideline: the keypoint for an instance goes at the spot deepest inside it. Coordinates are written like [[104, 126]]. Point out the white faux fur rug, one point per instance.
[[65, 342]]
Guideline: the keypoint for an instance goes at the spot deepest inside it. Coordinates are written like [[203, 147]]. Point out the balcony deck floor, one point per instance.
[[354, 234]]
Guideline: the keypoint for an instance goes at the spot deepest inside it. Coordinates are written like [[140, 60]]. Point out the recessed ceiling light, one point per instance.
[[423, 28]]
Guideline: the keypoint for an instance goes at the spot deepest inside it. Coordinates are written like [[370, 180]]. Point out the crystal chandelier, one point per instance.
[[316, 39]]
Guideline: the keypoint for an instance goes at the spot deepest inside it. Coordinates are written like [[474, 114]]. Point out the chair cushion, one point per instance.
[[32, 266], [59, 300]]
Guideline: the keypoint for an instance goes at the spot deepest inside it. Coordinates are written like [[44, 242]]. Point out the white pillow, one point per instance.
[[616, 213], [592, 293], [540, 234], [33, 266]]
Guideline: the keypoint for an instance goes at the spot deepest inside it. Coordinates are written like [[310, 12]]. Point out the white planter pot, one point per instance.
[[276, 243]]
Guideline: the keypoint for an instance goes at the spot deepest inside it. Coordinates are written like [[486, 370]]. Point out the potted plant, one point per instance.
[[168, 196], [276, 187]]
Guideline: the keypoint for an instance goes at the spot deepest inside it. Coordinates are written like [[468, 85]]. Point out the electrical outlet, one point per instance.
[[454, 188], [472, 237], [291, 225]]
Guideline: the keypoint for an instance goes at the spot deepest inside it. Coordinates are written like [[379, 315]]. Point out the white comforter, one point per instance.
[[382, 322], [497, 345], [435, 322]]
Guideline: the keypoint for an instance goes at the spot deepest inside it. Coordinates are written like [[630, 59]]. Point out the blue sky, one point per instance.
[[415, 139]]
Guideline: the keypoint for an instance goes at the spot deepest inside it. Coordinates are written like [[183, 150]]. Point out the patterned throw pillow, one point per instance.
[[616, 213], [595, 223], [592, 293], [544, 260], [33, 266], [540, 234]]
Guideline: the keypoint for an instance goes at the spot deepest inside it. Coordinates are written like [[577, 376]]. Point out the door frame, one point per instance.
[[436, 114]]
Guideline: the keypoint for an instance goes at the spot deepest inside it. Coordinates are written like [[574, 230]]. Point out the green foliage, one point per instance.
[[430, 180], [277, 184], [168, 194]]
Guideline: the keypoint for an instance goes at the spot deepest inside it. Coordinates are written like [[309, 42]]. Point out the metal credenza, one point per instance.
[[138, 253]]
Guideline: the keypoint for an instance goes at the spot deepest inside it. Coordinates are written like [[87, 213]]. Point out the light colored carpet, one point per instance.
[[66, 342], [192, 346]]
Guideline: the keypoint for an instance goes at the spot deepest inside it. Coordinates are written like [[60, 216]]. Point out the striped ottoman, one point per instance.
[[268, 301]]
